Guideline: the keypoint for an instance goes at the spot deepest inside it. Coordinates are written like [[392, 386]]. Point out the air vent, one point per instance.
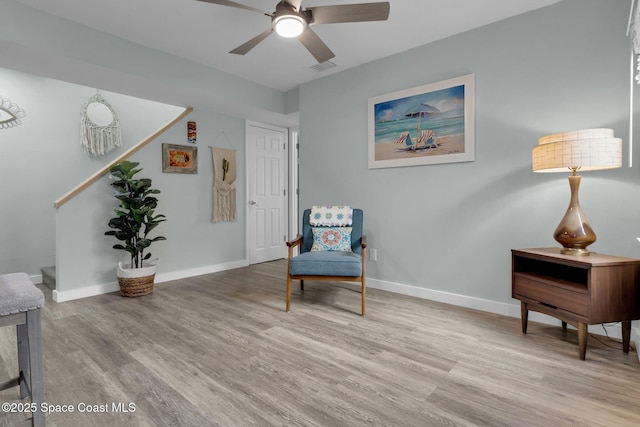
[[324, 66]]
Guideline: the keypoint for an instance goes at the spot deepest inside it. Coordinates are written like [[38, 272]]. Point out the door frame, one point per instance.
[[294, 186], [287, 182]]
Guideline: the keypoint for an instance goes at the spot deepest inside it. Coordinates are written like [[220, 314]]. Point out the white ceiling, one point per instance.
[[205, 33]]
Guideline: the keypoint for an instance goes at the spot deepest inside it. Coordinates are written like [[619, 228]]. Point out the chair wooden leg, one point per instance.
[[288, 293], [364, 295], [364, 274], [302, 285]]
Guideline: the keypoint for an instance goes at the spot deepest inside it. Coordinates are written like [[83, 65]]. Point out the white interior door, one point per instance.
[[267, 179]]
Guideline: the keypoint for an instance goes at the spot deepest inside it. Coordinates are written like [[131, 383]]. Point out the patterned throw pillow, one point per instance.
[[337, 239], [331, 216]]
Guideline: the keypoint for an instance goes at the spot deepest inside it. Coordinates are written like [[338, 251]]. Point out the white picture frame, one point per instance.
[[424, 125]]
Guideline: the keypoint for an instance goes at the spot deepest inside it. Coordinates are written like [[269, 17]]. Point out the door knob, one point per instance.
[[251, 202]]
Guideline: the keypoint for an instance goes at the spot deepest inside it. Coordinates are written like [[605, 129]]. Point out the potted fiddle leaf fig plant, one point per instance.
[[135, 219]]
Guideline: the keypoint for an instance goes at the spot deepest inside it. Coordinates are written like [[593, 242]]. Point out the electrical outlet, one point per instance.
[[373, 254]]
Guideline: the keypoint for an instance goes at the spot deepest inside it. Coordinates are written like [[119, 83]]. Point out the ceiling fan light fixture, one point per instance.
[[289, 25]]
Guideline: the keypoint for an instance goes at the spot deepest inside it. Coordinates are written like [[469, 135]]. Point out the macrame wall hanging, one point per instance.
[[224, 184], [10, 114], [99, 126]]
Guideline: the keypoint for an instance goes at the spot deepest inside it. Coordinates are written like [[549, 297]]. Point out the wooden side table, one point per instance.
[[578, 290]]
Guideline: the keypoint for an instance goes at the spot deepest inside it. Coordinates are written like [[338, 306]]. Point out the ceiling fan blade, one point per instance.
[[234, 4], [246, 47], [349, 13], [315, 46]]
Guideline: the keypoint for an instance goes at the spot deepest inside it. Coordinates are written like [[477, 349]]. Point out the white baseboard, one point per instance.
[[446, 297], [199, 271], [511, 310], [89, 291]]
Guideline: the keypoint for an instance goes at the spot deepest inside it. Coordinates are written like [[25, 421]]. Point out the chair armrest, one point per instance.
[[292, 244], [295, 242], [363, 243]]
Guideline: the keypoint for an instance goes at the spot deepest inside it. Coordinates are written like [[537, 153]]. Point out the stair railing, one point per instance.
[[93, 178]]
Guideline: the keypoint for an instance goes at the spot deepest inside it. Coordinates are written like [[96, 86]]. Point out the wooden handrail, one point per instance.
[[93, 178]]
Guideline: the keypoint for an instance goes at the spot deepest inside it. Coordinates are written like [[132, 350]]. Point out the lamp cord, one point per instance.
[[604, 326]]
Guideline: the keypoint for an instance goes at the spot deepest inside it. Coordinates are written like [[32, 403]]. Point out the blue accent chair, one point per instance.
[[334, 266]]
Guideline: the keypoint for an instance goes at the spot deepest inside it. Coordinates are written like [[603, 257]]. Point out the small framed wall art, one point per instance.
[[179, 159], [191, 132]]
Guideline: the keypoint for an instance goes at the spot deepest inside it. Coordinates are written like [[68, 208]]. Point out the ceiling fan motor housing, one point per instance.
[[287, 21]]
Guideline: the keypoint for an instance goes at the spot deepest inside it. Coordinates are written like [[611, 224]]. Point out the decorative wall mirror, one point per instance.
[[99, 126], [10, 114]]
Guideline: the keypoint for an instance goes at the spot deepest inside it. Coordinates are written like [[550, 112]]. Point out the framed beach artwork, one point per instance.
[[424, 125]]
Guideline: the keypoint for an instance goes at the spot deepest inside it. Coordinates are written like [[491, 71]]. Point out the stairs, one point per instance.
[[49, 277]]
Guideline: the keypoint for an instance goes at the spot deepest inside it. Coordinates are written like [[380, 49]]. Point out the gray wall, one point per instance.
[[450, 227], [44, 160], [194, 244]]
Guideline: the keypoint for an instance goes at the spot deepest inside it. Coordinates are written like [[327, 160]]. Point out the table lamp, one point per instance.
[[585, 150]]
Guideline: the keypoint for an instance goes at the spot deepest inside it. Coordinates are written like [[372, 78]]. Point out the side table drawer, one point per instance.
[[548, 294]]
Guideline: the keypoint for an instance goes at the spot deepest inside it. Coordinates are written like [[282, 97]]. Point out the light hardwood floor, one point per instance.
[[219, 350]]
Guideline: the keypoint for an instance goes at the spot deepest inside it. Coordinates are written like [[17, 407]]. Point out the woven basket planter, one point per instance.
[[136, 282], [136, 287]]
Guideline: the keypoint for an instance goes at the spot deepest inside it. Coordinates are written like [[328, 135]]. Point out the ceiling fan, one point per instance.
[[289, 20]]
